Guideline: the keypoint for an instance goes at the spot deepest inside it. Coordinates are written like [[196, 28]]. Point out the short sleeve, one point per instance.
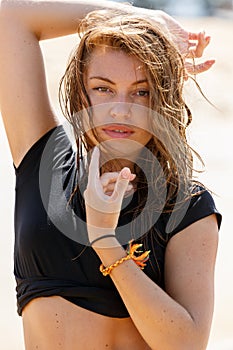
[[200, 205], [33, 155]]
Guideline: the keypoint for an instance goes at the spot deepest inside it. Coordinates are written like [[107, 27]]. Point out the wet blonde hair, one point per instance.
[[165, 72]]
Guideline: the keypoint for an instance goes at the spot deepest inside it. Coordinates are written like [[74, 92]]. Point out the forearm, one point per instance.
[[50, 19], [162, 322]]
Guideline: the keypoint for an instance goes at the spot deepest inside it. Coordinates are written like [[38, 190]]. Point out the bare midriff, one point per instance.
[[53, 323]]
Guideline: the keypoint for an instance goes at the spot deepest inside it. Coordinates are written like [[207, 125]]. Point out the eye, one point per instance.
[[142, 93], [102, 89]]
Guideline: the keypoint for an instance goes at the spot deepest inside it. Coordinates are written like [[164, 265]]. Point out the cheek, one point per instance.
[[100, 114], [94, 118], [88, 129], [146, 137], [96, 99], [143, 122], [92, 99], [140, 117]]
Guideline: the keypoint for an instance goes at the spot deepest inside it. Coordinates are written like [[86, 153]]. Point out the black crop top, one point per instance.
[[51, 254]]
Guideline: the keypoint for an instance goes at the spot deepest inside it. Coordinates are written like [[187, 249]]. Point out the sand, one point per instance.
[[211, 135]]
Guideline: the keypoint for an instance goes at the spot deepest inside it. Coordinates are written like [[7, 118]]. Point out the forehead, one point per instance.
[[106, 61]]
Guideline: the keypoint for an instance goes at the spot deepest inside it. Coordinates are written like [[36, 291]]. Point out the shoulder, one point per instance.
[[51, 149], [199, 205]]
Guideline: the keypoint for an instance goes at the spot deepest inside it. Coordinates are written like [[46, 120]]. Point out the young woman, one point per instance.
[[80, 214]]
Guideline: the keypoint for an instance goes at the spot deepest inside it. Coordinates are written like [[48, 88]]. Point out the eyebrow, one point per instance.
[[111, 82]]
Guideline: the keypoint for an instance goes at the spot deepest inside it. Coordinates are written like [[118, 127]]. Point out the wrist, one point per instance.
[[104, 241], [98, 234], [111, 253], [132, 253]]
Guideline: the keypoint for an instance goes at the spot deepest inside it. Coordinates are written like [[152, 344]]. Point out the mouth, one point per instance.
[[118, 131]]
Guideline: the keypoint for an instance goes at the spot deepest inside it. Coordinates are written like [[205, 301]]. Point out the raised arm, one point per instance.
[[24, 101]]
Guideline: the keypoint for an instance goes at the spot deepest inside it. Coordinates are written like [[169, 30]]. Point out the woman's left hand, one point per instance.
[[190, 44], [103, 209], [200, 42]]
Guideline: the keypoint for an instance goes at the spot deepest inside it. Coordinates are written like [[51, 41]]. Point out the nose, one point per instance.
[[121, 110]]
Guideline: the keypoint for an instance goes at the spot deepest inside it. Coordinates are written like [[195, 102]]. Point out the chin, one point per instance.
[[122, 148]]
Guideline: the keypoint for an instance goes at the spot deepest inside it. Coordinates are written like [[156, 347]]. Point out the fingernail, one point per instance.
[[125, 173]]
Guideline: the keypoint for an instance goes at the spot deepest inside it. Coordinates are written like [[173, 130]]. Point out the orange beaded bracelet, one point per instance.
[[132, 249]]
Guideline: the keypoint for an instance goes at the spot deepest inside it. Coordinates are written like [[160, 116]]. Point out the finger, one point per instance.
[[192, 35], [132, 177], [201, 45], [108, 178], [121, 184], [195, 36], [94, 187], [203, 67], [192, 44], [197, 47], [199, 68], [94, 165], [129, 190], [111, 177]]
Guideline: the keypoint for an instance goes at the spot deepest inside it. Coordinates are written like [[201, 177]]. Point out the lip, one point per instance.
[[118, 131]]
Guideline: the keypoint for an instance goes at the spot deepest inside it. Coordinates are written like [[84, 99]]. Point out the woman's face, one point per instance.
[[118, 90]]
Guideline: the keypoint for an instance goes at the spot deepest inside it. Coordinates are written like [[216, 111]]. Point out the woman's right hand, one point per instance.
[[102, 209], [108, 181]]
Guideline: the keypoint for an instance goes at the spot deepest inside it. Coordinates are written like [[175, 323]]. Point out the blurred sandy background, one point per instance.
[[211, 135]]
